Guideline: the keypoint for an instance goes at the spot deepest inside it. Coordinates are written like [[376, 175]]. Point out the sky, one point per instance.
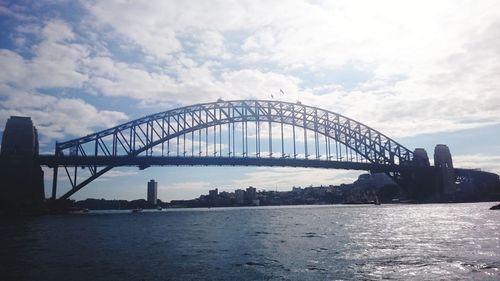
[[421, 72]]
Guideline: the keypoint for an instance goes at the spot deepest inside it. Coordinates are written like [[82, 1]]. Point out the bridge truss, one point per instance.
[[242, 132]]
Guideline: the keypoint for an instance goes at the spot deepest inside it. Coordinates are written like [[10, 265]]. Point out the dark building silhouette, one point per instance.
[[21, 177], [213, 193], [239, 196], [152, 192], [251, 194]]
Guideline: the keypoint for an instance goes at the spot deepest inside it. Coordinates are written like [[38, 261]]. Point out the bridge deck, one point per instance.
[[146, 161]]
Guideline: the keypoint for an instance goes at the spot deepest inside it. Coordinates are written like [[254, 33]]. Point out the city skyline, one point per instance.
[[423, 81]]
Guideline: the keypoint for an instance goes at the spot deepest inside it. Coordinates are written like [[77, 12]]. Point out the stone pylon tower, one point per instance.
[[420, 157], [443, 161], [21, 178]]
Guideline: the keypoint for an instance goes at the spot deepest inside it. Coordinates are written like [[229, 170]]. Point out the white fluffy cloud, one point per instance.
[[58, 118], [56, 63], [487, 162], [433, 65], [192, 84]]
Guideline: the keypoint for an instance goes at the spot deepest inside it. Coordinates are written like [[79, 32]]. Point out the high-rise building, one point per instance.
[[240, 196], [251, 193], [213, 193], [213, 196], [152, 192]]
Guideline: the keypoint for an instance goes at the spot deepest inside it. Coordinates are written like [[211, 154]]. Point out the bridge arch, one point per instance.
[[147, 136]]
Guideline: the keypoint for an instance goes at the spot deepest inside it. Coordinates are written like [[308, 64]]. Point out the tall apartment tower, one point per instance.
[[152, 192], [443, 160], [240, 196]]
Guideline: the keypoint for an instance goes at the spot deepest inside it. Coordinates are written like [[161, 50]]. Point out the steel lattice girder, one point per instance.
[[141, 135], [154, 129]]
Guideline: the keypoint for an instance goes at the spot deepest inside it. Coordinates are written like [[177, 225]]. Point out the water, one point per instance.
[[398, 242]]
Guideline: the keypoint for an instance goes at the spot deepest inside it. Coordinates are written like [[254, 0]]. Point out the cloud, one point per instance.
[[117, 174], [486, 162], [57, 31], [58, 118], [431, 67], [191, 84], [429, 61], [148, 26], [211, 44], [14, 14], [55, 63]]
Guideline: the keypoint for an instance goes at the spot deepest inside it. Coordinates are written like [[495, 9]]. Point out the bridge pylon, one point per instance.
[[21, 177]]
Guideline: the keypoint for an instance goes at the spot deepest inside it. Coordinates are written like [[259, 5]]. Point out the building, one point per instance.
[[297, 190], [152, 192], [240, 196], [213, 193], [251, 194]]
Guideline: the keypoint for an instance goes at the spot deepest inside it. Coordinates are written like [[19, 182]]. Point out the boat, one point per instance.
[[136, 210], [159, 208]]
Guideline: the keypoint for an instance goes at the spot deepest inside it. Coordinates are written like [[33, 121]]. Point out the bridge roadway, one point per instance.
[[146, 161]]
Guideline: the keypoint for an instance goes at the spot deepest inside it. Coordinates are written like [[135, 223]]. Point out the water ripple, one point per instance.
[[390, 242]]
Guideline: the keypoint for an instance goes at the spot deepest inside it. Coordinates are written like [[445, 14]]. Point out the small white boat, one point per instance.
[[136, 210]]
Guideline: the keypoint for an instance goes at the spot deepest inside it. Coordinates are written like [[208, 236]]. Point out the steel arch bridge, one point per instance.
[[240, 132]]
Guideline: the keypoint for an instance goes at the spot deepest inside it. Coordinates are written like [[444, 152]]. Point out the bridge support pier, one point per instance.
[[54, 184], [421, 185]]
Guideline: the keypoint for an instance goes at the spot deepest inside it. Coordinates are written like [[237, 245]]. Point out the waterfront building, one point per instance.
[[297, 190], [152, 192], [213, 193], [256, 202], [240, 196], [251, 194]]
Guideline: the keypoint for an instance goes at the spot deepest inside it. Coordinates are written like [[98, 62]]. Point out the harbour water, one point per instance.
[[343, 242]]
